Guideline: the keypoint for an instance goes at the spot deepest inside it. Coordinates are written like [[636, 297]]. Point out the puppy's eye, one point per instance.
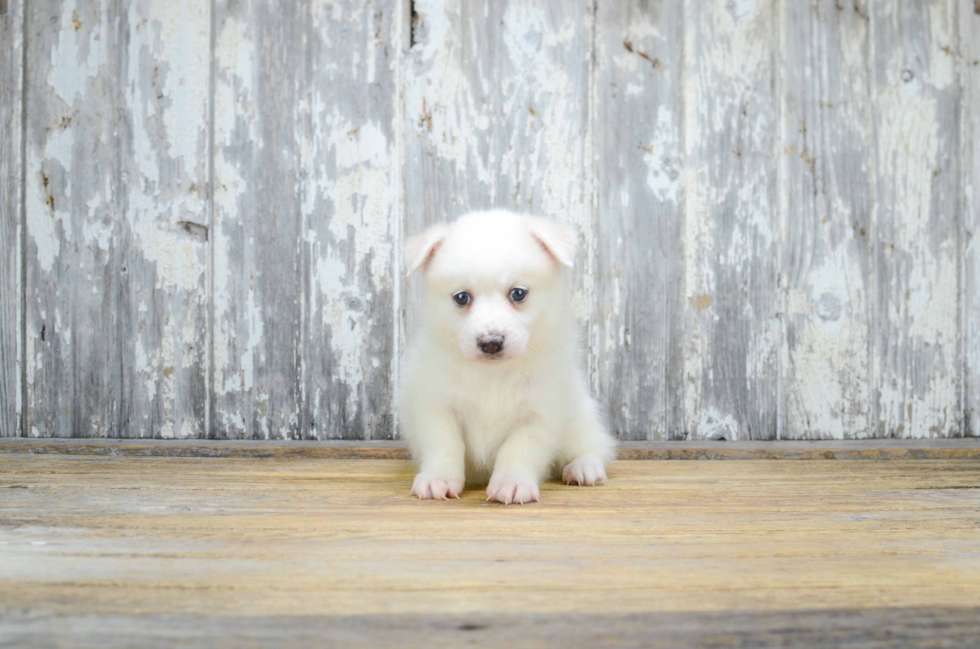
[[462, 298], [518, 294]]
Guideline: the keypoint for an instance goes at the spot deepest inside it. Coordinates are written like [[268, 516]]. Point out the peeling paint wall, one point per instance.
[[11, 223], [203, 207]]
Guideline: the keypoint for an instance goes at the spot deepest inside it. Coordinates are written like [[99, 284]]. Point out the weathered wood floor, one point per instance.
[[123, 551]]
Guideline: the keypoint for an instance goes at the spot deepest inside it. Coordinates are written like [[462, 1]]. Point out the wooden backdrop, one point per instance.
[[204, 202]]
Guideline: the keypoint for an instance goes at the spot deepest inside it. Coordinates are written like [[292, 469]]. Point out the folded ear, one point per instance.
[[557, 240], [420, 249]]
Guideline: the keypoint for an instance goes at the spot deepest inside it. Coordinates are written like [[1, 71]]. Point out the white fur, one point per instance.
[[519, 417]]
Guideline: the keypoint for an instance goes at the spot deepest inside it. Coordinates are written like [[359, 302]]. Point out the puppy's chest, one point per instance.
[[489, 410]]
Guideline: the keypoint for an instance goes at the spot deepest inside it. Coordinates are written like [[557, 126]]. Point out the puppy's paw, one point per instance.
[[429, 487], [586, 471], [513, 491]]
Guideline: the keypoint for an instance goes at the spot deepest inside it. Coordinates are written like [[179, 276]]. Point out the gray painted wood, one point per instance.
[[776, 204], [257, 264], [731, 220], [639, 289], [827, 198], [11, 284], [305, 195], [918, 366], [350, 220], [815, 628], [968, 20], [116, 182], [496, 114], [72, 189]]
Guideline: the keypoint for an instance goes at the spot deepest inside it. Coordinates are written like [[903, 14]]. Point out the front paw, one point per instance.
[[586, 471], [429, 487], [513, 491]]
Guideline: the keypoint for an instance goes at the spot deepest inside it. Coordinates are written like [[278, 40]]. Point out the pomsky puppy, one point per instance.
[[492, 388]]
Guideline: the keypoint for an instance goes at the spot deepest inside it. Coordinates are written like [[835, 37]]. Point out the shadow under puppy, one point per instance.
[[492, 388]]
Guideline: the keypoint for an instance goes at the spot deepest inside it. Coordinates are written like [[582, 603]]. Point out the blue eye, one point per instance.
[[462, 298], [518, 294]]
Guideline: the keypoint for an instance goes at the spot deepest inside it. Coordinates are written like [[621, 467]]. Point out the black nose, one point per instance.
[[491, 343]]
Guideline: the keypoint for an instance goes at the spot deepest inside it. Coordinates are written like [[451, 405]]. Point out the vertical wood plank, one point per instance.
[[116, 216], [350, 233], [730, 241], [828, 158], [163, 205], [11, 226], [639, 287], [304, 216], [257, 274], [918, 366], [497, 115], [968, 19], [72, 183]]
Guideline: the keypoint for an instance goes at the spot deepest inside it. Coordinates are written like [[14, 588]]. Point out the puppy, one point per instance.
[[492, 388]]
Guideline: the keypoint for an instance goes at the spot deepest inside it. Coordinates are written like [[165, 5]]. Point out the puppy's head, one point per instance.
[[493, 281]]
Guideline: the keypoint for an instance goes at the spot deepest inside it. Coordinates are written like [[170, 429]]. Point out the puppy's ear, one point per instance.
[[557, 240], [420, 249]]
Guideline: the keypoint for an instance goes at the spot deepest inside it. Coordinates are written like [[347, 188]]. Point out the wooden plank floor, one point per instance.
[[967, 448], [107, 551]]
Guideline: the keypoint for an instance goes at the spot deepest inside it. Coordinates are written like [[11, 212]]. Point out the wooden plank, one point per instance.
[[639, 270], [968, 20], [350, 228], [497, 115], [73, 240], [161, 536], [818, 629], [827, 252], [918, 366], [730, 204], [304, 220], [257, 268], [116, 219], [888, 449], [11, 216], [164, 167]]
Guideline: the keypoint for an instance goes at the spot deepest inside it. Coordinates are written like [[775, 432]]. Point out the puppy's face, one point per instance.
[[493, 281]]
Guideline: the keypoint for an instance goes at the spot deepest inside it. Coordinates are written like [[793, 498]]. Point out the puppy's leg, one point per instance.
[[521, 462], [437, 447], [587, 447]]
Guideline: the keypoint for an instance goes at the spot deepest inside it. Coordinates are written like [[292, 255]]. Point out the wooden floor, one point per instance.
[[123, 551]]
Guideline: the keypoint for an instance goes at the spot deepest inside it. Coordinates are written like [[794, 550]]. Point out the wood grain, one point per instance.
[[496, 114], [776, 207], [351, 223], [969, 154], [258, 274], [733, 335], [72, 181], [890, 449], [917, 346], [11, 217], [822, 629], [829, 629], [639, 307], [136, 538], [116, 182], [304, 220], [827, 201]]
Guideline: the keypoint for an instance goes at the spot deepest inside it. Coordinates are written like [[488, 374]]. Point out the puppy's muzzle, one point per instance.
[[491, 343]]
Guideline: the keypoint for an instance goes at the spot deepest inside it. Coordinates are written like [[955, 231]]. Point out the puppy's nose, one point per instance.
[[491, 343]]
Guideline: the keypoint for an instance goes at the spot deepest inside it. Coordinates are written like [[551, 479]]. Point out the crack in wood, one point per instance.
[[413, 23]]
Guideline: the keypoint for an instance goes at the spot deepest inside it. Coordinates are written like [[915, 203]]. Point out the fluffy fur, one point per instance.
[[519, 413]]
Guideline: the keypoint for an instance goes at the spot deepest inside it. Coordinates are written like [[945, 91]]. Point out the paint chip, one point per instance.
[[701, 302]]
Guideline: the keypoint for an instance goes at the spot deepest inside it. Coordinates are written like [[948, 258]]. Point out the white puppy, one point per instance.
[[492, 387]]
